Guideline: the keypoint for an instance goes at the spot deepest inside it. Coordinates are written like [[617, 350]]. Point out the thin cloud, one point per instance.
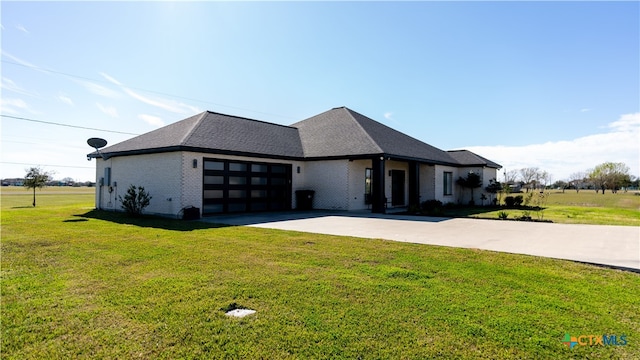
[[110, 78], [109, 110], [99, 89], [151, 120], [585, 110], [22, 28], [65, 99], [10, 85], [14, 106], [561, 158], [165, 104], [388, 116], [23, 62]]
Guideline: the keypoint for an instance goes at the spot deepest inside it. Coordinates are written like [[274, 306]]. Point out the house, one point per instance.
[[223, 164]]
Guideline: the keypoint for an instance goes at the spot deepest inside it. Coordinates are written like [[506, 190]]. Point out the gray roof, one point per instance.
[[342, 132], [467, 158], [216, 133], [337, 133]]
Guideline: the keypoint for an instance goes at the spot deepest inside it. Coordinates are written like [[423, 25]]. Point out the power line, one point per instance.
[[66, 125], [64, 166], [142, 89]]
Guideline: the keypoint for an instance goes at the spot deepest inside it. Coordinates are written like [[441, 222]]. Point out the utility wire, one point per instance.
[[66, 125], [142, 89], [64, 166]]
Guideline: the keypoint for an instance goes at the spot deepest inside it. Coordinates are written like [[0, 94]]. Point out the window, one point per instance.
[[448, 183], [367, 186]]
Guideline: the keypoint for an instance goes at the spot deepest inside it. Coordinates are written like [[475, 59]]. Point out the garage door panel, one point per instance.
[[237, 186]]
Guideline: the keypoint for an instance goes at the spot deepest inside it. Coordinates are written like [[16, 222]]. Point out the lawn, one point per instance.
[[80, 283], [585, 207]]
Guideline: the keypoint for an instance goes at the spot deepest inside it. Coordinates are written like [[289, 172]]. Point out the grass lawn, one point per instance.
[[80, 283], [585, 207]]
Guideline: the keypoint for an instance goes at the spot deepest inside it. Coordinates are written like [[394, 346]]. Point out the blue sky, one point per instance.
[[554, 85]]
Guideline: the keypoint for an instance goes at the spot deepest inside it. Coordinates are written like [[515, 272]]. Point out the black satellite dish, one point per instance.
[[97, 143]]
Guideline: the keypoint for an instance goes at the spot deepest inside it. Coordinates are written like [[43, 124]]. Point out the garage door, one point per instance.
[[242, 186]]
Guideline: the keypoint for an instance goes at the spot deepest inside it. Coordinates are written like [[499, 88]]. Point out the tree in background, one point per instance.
[[36, 178], [610, 175], [578, 179], [529, 176], [511, 176], [560, 185]]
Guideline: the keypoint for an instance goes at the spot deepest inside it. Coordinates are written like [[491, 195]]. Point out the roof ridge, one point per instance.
[[191, 131], [249, 119], [350, 112]]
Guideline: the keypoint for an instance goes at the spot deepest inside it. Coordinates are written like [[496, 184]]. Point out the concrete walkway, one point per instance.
[[617, 246]]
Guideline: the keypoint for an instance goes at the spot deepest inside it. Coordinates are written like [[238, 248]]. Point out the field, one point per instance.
[[585, 207], [81, 283]]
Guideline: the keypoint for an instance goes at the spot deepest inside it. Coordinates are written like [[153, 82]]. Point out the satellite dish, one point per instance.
[[97, 143]]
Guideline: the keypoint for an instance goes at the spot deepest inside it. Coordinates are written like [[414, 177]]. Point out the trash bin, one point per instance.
[[191, 213], [304, 199]]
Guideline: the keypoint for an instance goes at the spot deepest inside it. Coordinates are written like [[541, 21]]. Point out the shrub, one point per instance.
[[135, 200], [517, 201], [431, 207], [503, 215], [509, 201]]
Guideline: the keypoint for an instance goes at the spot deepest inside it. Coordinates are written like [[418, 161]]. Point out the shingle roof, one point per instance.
[[337, 133], [344, 132], [216, 133], [468, 158]]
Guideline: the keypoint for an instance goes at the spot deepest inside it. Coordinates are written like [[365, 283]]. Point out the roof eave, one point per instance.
[[192, 149]]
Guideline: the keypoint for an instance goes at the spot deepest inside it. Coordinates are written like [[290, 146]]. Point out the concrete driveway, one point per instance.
[[617, 246]]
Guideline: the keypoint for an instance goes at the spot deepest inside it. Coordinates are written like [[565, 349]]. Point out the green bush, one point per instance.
[[509, 201], [517, 201], [431, 207], [135, 200]]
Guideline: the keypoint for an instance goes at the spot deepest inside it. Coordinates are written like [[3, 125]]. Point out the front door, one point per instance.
[[397, 187]]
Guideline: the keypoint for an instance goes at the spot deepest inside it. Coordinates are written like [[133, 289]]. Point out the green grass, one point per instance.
[[80, 283], [585, 207]]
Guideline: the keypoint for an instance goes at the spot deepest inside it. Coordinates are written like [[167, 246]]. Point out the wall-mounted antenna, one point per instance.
[[97, 143]]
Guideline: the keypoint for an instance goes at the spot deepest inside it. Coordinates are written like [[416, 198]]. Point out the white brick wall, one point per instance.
[[159, 174], [427, 182], [330, 180], [191, 180], [357, 169]]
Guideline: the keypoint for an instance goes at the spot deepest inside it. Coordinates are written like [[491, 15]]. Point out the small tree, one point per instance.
[[493, 188], [36, 178], [472, 181], [135, 200]]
